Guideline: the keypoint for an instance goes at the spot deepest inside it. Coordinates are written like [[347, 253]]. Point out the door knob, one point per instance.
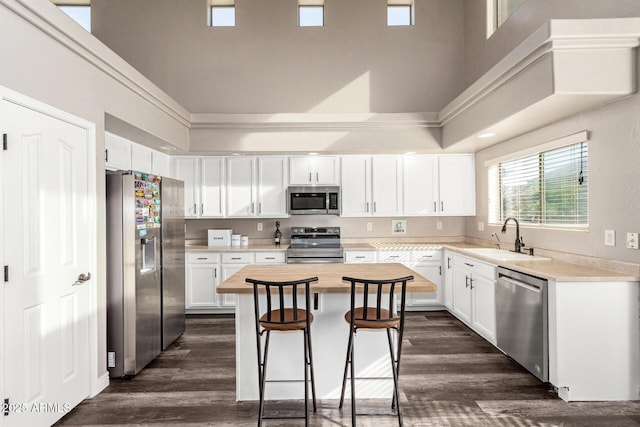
[[82, 278]]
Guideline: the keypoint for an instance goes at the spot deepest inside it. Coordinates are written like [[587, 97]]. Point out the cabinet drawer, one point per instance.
[[394, 256], [270, 257], [359, 256], [202, 258], [477, 267], [426, 255], [237, 258]]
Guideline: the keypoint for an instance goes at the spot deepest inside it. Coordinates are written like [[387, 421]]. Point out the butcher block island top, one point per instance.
[[329, 276]]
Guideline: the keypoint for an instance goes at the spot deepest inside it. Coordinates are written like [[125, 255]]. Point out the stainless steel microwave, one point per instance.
[[313, 200]]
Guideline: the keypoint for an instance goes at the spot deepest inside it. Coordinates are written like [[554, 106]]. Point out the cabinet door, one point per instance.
[[461, 294], [300, 171], [186, 169], [387, 185], [202, 280], [484, 307], [420, 182], [161, 164], [117, 152], [211, 187], [447, 268], [326, 170], [241, 187], [141, 158], [355, 191], [272, 186], [457, 184], [432, 272]]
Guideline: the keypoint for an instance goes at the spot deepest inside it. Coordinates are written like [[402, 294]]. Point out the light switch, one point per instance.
[[609, 237]]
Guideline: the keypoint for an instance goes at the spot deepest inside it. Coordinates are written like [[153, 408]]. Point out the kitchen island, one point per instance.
[[329, 332]]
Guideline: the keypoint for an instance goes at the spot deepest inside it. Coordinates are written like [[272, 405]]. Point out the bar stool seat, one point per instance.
[[371, 320], [290, 322]]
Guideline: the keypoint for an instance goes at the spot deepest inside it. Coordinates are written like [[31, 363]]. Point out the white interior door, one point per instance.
[[46, 246]]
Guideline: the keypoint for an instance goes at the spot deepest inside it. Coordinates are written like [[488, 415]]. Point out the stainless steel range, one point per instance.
[[314, 245]]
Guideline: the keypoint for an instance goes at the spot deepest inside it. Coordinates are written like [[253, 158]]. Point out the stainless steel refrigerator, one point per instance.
[[173, 260], [145, 269]]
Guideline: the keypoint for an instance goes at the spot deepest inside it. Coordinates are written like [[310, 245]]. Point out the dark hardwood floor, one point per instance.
[[449, 377]]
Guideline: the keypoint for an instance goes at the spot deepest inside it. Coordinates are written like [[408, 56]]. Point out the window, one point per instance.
[[545, 188], [310, 13], [78, 10], [399, 13], [311, 16], [498, 11], [222, 13]]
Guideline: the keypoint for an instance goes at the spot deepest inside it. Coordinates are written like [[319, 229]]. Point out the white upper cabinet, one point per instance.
[[141, 158], [371, 186], [117, 154], [256, 187], [187, 170], [272, 186], [457, 184], [420, 180], [314, 170], [211, 187], [241, 187], [161, 164], [386, 172], [355, 191]]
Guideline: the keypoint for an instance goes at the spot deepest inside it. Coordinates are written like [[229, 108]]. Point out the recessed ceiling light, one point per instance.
[[408, 153], [168, 148], [487, 135], [313, 153]]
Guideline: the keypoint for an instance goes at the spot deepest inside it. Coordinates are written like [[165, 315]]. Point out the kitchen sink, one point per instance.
[[504, 255]]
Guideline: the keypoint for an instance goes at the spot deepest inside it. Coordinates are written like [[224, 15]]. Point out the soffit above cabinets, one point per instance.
[[565, 67]]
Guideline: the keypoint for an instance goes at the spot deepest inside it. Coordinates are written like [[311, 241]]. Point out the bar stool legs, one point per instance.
[[308, 375]]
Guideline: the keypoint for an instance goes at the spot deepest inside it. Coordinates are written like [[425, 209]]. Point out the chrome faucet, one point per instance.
[[519, 244]]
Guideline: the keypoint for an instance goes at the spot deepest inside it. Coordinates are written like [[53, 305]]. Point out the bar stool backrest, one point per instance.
[[286, 295], [374, 292]]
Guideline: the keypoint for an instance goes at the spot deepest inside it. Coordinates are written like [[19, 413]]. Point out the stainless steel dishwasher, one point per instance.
[[521, 320]]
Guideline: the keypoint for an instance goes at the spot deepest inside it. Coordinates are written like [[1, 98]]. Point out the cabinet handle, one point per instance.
[[309, 176], [215, 273], [466, 281], [236, 258], [441, 206], [317, 177], [440, 269], [269, 257], [260, 207], [202, 209], [448, 262], [427, 256], [374, 207], [252, 207], [470, 265], [471, 282], [106, 156], [202, 258], [360, 257], [367, 207], [435, 207], [195, 209]]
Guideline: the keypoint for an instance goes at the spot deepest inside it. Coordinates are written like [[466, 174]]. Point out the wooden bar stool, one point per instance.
[[284, 317], [373, 315]]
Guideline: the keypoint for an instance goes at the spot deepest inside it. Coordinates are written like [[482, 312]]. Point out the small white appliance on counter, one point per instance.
[[219, 237]]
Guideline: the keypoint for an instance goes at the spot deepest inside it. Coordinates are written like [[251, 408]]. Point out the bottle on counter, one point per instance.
[[277, 235]]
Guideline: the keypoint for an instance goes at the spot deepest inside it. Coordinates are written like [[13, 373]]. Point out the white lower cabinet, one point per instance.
[[473, 285], [447, 265], [203, 276], [427, 263], [206, 270]]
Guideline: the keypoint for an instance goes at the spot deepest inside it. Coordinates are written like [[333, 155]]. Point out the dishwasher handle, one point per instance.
[[528, 286]]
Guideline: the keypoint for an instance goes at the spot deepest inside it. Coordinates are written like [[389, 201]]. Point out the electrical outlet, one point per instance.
[[260, 228], [632, 240], [609, 237], [369, 226], [480, 226], [439, 225]]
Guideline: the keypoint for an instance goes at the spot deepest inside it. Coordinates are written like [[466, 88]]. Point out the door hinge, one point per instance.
[[5, 408], [4, 142], [6, 273]]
